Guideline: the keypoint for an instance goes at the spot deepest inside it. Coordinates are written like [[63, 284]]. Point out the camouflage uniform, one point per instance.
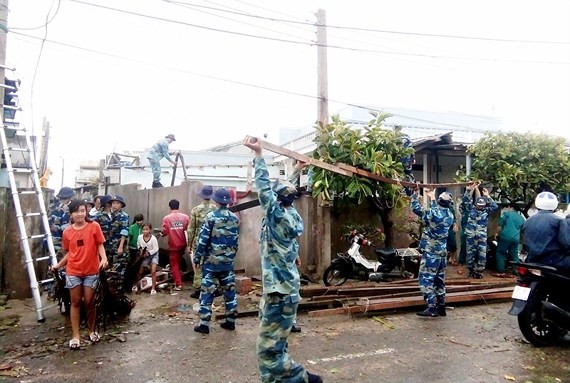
[[476, 232], [58, 218], [197, 216], [278, 307], [119, 228], [105, 220], [437, 220], [157, 152], [217, 248]]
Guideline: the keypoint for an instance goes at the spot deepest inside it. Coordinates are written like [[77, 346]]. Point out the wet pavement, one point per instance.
[[479, 343]]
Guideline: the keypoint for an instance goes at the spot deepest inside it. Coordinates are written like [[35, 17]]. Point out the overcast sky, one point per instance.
[[110, 80]]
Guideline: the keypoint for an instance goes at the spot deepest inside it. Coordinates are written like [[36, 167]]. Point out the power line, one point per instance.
[[361, 29], [41, 26], [242, 83], [193, 7], [316, 44]]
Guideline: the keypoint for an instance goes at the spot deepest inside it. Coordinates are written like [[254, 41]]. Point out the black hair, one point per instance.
[[74, 206], [139, 217], [147, 224], [174, 204]]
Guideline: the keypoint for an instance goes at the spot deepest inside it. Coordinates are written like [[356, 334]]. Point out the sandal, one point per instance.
[[74, 344], [461, 272], [135, 289], [500, 275], [94, 337]]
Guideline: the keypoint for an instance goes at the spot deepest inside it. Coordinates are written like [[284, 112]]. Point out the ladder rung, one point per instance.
[[43, 282], [9, 87], [42, 258], [11, 107], [36, 236], [7, 68], [22, 170], [28, 192], [25, 215], [18, 149]]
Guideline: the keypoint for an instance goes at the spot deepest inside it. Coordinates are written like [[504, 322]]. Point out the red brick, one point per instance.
[[243, 284]]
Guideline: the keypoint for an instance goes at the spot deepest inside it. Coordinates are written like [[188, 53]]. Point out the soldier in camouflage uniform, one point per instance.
[[476, 229], [217, 248], [104, 218], [158, 152], [197, 216], [58, 218], [118, 237], [281, 282], [437, 220]]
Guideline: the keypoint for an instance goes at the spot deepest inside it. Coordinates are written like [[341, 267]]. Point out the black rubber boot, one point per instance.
[[429, 312], [203, 329], [314, 378], [441, 311], [228, 325], [156, 185], [295, 328], [195, 294]]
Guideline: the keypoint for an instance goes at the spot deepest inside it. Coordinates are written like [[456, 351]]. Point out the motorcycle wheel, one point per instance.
[[334, 276], [538, 331]]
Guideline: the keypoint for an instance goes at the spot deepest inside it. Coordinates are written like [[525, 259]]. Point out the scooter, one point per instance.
[[542, 303], [353, 265]]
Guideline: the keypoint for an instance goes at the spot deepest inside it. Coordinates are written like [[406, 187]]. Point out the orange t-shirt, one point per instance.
[[81, 245]]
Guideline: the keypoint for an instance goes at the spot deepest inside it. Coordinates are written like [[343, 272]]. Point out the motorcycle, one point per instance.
[[541, 303], [353, 265]]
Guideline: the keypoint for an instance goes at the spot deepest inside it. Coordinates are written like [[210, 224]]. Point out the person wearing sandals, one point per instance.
[[85, 256], [148, 249]]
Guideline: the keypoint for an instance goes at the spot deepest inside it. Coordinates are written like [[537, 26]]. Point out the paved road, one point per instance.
[[472, 344]]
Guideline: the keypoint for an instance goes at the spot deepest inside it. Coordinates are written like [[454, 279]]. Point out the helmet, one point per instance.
[[65, 193], [117, 198], [222, 196], [285, 190], [171, 136], [481, 202], [89, 202], [105, 200], [445, 199], [546, 201]]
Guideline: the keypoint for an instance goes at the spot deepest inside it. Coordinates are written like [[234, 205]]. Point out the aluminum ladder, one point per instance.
[[10, 128]]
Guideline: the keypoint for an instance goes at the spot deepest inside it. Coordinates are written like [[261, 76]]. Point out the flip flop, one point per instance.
[[74, 344], [461, 272], [94, 337], [500, 275]]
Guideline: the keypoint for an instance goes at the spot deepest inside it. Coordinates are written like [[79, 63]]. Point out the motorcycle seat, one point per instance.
[[386, 252]]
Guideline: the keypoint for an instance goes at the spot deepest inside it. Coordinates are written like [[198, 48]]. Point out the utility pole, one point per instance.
[[323, 219], [3, 38]]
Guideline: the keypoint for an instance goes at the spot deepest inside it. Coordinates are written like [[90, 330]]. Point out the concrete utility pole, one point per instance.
[[3, 38], [322, 226]]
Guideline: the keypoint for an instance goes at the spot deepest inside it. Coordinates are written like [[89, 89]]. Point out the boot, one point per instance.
[[203, 329], [218, 293], [314, 378], [195, 294], [441, 310], [429, 312], [228, 325], [295, 328], [156, 185]]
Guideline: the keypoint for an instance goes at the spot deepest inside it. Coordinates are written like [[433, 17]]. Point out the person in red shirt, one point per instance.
[[174, 227], [82, 243]]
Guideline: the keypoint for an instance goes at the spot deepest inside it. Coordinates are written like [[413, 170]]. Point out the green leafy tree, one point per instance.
[[374, 148], [522, 165]]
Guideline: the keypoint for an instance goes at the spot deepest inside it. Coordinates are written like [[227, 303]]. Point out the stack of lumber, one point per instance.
[[323, 301]]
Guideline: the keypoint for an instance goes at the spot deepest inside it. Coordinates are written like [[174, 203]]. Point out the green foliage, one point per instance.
[[409, 223], [519, 164], [373, 148]]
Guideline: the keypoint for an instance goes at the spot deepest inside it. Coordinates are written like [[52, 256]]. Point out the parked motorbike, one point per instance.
[[542, 303], [353, 265]]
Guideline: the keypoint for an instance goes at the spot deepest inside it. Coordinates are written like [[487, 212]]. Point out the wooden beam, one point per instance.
[[348, 170]]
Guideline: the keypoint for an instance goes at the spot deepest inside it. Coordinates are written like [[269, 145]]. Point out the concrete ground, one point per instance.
[[479, 343]]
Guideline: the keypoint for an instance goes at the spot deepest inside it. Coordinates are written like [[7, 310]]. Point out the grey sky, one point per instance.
[[128, 103]]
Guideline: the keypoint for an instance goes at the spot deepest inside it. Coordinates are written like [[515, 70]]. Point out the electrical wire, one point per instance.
[[321, 45], [193, 7], [361, 29], [256, 86], [41, 26], [39, 58]]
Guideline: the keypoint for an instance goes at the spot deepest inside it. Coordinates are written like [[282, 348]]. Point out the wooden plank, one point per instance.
[[394, 303], [348, 170]]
